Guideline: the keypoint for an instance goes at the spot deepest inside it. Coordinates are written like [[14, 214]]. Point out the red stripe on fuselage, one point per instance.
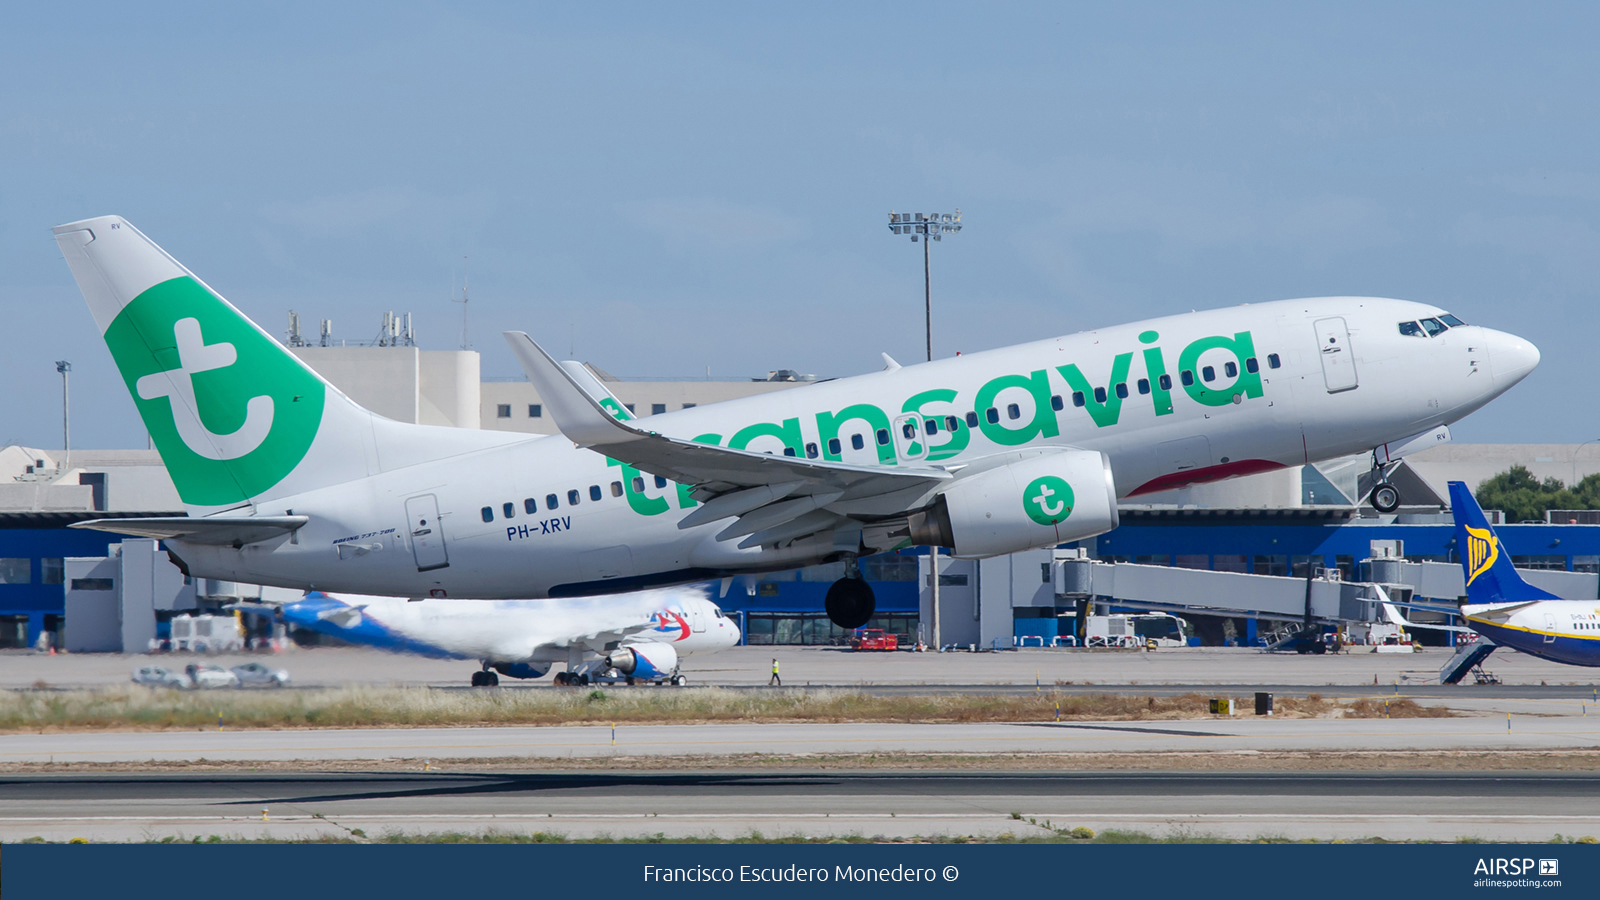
[[1209, 473]]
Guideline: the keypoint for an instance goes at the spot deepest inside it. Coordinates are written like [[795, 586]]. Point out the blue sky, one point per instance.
[[666, 187]]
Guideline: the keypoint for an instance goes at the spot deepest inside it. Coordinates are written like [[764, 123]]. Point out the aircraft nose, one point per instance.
[[1511, 358]]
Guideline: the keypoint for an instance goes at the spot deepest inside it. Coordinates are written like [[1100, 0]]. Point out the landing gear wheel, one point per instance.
[[562, 679], [679, 681], [490, 679], [1385, 497], [850, 603], [630, 680], [480, 679], [583, 679]]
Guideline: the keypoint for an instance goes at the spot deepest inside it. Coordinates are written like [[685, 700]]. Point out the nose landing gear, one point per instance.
[[1385, 497]]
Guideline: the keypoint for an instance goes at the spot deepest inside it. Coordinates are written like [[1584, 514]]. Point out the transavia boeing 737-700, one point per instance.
[[639, 636], [288, 482]]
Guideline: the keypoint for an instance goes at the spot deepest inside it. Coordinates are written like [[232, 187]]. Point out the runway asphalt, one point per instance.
[[1319, 805], [1238, 734]]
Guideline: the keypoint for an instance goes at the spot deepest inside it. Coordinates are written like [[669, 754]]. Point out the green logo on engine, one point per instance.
[[1048, 500]]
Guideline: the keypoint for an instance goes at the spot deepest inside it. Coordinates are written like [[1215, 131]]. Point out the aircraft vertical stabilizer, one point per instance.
[[1490, 576]]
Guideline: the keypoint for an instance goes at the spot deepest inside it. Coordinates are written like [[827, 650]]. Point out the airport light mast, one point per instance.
[[930, 227], [65, 368]]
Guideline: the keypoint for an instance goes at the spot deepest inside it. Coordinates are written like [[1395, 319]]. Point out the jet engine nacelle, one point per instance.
[[652, 659], [1035, 502]]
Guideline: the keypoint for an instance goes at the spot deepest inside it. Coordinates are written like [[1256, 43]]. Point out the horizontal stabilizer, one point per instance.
[[235, 530]]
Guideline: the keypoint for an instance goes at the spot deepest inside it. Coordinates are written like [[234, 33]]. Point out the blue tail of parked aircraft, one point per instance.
[[1490, 576]]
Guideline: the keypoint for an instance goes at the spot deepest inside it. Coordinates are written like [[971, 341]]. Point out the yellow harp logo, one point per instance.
[[1482, 551]]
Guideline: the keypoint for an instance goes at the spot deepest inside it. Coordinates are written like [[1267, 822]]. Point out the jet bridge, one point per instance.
[[1319, 600]]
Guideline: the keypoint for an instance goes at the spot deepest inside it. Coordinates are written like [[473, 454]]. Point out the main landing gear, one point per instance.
[[850, 602], [565, 679], [485, 678]]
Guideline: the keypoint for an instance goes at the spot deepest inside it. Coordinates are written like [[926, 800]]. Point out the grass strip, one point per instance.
[[133, 707]]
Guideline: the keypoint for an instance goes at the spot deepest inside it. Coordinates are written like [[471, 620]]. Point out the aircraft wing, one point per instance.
[[1395, 617], [235, 530], [776, 497]]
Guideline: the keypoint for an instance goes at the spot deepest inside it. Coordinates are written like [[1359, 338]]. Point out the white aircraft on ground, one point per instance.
[[640, 636], [288, 482]]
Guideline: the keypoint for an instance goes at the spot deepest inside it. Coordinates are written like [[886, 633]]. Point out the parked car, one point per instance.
[[156, 676], [256, 673], [209, 676]]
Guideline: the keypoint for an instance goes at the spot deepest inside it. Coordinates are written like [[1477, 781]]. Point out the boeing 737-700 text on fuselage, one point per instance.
[[288, 482]]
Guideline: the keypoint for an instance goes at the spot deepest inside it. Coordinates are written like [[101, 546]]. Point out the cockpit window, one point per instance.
[[1450, 320], [1411, 329], [1434, 326]]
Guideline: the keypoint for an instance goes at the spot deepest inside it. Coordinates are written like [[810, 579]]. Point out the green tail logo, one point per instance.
[[231, 411]]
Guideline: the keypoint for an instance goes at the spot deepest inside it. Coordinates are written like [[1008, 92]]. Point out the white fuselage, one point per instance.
[[531, 631], [1377, 385], [1564, 631]]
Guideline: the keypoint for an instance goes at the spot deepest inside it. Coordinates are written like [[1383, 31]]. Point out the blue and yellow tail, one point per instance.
[[1490, 576]]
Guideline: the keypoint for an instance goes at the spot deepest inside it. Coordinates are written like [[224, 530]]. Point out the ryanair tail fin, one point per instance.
[[1487, 566]]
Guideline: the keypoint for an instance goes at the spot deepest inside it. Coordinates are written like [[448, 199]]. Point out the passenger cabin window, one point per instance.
[[1452, 321], [1251, 366], [572, 497], [638, 484], [530, 506], [1144, 385], [909, 429], [551, 501], [1056, 403], [1434, 327], [993, 415], [1411, 329], [931, 426], [1122, 390], [660, 482], [1077, 398], [1273, 362], [857, 441], [1209, 373], [1013, 411], [488, 514], [1099, 395], [972, 420], [1166, 382], [1187, 377], [509, 510], [594, 492], [811, 451], [951, 423], [1230, 369], [616, 489], [833, 446], [883, 437]]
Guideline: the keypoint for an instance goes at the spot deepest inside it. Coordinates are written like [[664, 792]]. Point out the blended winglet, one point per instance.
[[579, 416]]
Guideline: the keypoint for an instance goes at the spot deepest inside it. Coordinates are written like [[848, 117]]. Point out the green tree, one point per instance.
[[1522, 496]]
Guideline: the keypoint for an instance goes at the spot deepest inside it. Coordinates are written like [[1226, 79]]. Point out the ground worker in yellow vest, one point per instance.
[[775, 680]]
